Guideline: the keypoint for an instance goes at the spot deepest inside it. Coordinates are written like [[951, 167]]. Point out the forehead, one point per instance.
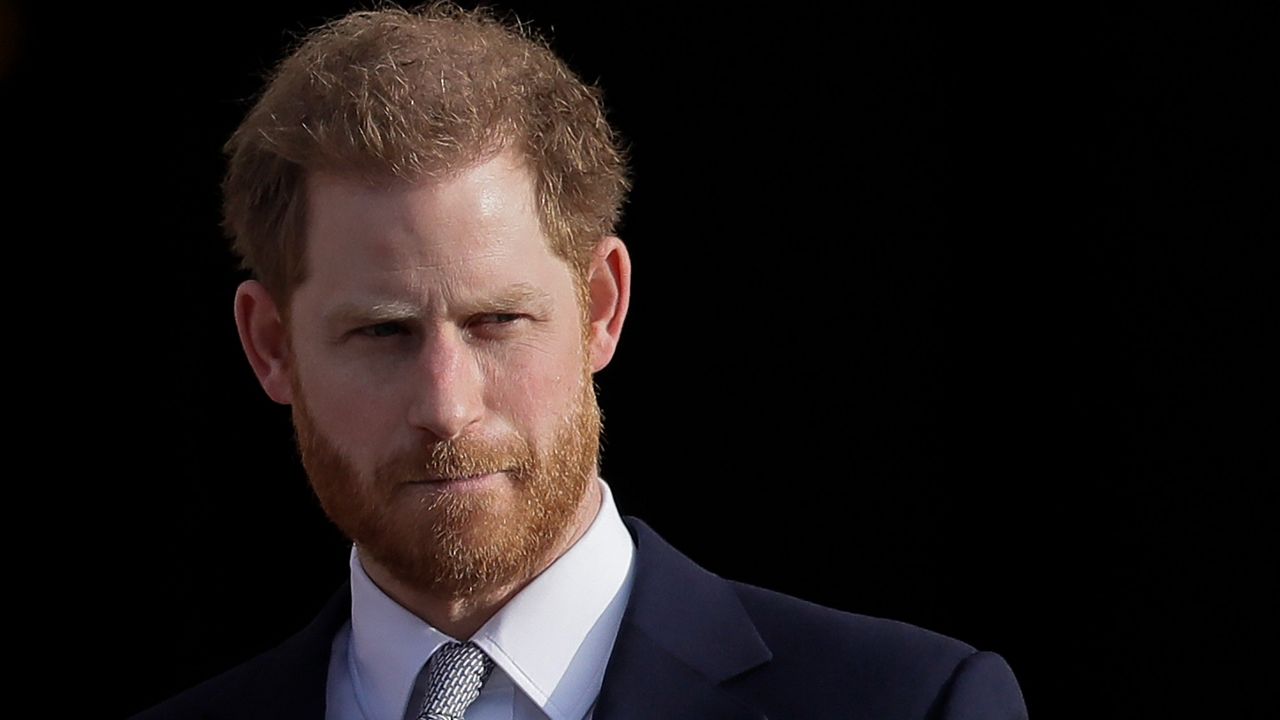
[[483, 209], [476, 230]]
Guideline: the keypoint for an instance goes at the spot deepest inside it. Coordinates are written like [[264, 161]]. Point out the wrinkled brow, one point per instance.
[[517, 297]]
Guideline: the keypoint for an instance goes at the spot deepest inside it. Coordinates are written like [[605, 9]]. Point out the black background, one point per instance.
[[941, 316]]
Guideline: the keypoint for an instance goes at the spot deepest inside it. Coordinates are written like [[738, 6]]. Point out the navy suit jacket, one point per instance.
[[691, 646]]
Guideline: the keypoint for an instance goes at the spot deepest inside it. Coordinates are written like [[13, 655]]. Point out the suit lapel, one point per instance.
[[684, 633]]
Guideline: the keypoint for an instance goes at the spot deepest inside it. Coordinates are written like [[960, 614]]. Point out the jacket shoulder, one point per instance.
[[793, 625], [783, 656], [888, 668]]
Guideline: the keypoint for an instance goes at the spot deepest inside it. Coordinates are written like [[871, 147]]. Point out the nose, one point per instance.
[[449, 386]]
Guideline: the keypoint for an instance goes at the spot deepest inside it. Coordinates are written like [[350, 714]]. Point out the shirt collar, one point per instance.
[[553, 638]]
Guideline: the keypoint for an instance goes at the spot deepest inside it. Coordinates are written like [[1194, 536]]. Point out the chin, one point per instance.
[[461, 545]]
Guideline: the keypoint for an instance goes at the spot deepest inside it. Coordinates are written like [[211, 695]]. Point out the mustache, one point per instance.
[[462, 457]]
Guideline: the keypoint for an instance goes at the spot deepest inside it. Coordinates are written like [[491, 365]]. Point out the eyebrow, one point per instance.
[[514, 297]]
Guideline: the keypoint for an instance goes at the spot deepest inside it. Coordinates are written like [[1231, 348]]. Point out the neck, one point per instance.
[[461, 617]]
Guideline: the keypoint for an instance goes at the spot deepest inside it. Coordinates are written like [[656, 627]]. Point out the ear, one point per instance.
[[609, 287], [265, 339]]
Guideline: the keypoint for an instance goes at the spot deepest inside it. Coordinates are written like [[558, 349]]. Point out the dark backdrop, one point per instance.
[[944, 317]]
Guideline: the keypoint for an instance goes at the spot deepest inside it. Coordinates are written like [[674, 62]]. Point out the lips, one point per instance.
[[435, 478]]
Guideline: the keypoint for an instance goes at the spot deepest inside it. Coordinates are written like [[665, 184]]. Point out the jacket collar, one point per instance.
[[683, 634], [289, 682]]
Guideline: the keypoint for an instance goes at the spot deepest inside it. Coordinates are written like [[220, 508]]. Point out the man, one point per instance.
[[427, 201]]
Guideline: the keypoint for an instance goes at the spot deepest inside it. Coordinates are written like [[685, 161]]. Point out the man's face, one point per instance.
[[442, 396]]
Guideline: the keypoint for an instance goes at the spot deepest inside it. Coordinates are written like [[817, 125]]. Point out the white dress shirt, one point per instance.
[[550, 643]]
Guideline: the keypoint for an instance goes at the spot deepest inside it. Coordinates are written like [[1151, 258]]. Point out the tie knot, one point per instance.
[[455, 675]]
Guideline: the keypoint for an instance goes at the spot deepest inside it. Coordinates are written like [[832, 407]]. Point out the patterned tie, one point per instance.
[[455, 673]]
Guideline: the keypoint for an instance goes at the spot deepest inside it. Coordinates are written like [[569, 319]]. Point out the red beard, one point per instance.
[[458, 544]]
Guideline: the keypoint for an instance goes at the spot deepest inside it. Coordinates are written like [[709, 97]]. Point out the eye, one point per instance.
[[381, 330], [498, 318], [495, 324]]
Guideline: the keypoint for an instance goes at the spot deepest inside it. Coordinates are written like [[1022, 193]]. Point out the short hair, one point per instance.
[[409, 95]]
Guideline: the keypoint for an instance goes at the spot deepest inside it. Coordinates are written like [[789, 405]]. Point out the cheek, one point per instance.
[[351, 415], [536, 389]]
